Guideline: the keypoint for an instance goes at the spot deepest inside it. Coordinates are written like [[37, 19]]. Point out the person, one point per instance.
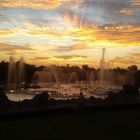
[[41, 99], [82, 99]]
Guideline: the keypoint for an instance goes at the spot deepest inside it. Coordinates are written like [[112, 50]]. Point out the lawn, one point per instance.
[[110, 125]]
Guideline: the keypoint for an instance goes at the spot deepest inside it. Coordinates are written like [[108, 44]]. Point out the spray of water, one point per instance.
[[102, 66], [15, 73]]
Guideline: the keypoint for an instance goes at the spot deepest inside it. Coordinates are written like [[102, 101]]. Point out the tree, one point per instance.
[[133, 68]]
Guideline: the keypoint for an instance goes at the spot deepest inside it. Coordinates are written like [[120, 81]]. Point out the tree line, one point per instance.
[[71, 74]]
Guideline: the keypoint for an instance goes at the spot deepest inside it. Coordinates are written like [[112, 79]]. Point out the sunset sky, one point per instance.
[[71, 32]]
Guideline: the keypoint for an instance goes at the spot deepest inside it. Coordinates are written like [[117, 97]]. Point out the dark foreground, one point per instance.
[[102, 124], [116, 118]]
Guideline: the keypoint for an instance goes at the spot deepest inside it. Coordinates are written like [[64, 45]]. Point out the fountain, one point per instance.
[[60, 82], [15, 74], [56, 77], [73, 77], [102, 66], [21, 71], [12, 74]]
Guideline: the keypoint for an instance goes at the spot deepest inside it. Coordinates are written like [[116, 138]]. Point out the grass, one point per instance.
[[110, 125]]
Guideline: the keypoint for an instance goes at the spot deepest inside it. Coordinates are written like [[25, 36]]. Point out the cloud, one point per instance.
[[70, 48], [96, 36], [6, 33], [69, 57], [124, 60], [134, 7], [69, 27], [99, 12], [10, 49], [60, 59], [35, 4], [129, 59], [4, 18], [40, 58], [80, 12], [135, 56], [72, 39]]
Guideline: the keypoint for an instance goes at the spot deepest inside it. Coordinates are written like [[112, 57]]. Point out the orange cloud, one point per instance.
[[35, 4], [70, 57], [125, 61], [134, 7], [94, 36], [6, 33], [15, 49], [78, 60], [82, 38]]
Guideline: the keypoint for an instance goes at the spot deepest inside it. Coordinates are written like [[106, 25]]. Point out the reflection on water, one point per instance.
[[19, 96], [64, 91]]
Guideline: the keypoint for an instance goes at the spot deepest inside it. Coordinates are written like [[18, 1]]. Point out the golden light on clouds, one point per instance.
[[70, 31], [35, 4], [123, 36], [80, 38], [134, 7], [6, 33]]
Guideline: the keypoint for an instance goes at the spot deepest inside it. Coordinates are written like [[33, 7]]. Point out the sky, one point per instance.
[[74, 32]]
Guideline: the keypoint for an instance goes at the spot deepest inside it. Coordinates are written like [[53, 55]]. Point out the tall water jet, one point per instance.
[[55, 73], [12, 74], [102, 66], [73, 77], [21, 71], [15, 73]]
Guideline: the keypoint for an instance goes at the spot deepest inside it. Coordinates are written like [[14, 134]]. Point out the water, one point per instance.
[[65, 91], [21, 71], [19, 97], [11, 74], [102, 66], [55, 76], [15, 74]]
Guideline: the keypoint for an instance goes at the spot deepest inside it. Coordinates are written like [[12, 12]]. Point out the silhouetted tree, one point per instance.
[[133, 68]]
